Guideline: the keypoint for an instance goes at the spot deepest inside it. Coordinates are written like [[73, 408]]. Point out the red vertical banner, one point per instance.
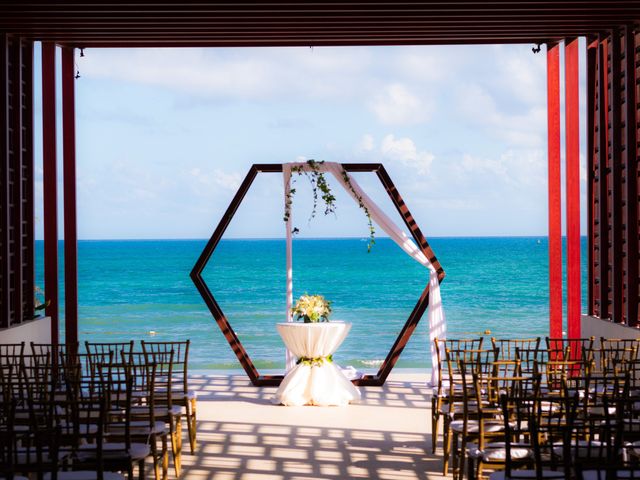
[[554, 191], [572, 175], [69, 176], [50, 193]]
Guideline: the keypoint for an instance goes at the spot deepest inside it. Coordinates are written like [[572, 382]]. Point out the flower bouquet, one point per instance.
[[312, 309]]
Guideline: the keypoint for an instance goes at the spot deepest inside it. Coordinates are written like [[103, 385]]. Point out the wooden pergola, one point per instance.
[[612, 33]]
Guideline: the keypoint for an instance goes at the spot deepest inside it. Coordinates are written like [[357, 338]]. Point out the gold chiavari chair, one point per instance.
[[570, 348], [491, 448], [461, 398], [441, 391], [508, 346], [182, 394], [615, 352], [145, 427], [166, 410]]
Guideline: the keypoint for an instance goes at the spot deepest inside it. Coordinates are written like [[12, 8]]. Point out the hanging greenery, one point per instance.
[[321, 190]]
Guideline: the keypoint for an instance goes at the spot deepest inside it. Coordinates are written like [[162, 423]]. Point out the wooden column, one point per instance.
[[554, 191], [630, 194], [592, 53], [50, 194], [617, 277], [5, 257], [69, 176], [17, 181], [572, 173]]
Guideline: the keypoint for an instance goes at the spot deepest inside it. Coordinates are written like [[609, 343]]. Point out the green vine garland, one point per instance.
[[321, 189]]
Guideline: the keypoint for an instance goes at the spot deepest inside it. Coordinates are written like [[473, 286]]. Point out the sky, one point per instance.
[[165, 136]]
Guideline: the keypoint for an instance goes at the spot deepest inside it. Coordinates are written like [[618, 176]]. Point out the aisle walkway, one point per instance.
[[243, 436]]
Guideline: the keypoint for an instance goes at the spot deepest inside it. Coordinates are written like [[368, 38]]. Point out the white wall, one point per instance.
[[38, 331], [592, 326]]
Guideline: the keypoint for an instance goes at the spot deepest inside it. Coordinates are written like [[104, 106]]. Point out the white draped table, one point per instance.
[[315, 379]]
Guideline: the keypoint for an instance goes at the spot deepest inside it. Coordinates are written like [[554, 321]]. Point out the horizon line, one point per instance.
[[295, 238]]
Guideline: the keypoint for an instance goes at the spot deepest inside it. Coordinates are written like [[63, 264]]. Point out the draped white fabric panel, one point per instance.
[[436, 316], [308, 384]]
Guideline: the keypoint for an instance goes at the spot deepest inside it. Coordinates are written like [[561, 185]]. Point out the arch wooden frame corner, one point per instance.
[[234, 342]]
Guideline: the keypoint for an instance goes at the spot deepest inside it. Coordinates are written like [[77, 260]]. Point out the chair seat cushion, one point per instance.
[[84, 475], [497, 452], [473, 426], [526, 474], [138, 451], [584, 448], [602, 474]]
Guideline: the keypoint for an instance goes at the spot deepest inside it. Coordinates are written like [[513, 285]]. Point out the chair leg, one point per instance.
[[435, 417], [175, 429], [140, 470], [470, 469], [165, 458], [191, 423], [446, 448], [455, 466]]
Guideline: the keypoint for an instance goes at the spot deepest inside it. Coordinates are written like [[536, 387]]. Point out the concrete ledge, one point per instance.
[[597, 327], [37, 330]]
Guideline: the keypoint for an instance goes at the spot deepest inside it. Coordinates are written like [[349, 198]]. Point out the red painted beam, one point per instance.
[[572, 174], [554, 191], [50, 194], [69, 177]]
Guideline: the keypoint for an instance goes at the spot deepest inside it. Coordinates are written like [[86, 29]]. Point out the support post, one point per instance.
[[617, 273], [70, 205], [49, 165], [5, 220], [554, 191], [631, 184], [18, 184], [603, 175], [572, 173]]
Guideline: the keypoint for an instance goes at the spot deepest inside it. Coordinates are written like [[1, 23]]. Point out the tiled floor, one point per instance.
[[243, 436]]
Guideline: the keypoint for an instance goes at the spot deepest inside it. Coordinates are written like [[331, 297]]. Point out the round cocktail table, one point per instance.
[[315, 380]]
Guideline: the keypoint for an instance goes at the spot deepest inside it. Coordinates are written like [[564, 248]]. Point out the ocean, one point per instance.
[[130, 288]]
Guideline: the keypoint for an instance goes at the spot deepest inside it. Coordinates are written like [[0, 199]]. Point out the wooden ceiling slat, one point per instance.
[[238, 22]]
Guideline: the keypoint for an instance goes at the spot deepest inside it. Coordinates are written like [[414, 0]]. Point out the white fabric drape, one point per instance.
[[308, 384], [290, 360], [435, 315]]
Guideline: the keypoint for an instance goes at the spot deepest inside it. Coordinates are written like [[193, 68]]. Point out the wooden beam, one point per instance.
[[592, 52], [50, 186], [17, 181], [572, 172], [70, 216], [603, 180], [554, 191], [630, 193], [617, 223], [5, 219]]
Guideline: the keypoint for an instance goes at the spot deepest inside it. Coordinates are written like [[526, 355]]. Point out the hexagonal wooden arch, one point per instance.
[[404, 335]]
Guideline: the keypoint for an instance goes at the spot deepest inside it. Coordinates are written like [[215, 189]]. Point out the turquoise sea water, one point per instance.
[[128, 288]]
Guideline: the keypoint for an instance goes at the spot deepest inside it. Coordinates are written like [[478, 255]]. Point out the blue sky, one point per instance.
[[165, 136]]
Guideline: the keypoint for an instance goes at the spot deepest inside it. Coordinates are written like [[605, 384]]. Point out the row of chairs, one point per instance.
[[466, 396], [108, 408]]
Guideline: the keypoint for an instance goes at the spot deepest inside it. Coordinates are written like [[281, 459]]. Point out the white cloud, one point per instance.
[[217, 178], [396, 105], [516, 168], [224, 73], [405, 152], [367, 143], [477, 107]]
